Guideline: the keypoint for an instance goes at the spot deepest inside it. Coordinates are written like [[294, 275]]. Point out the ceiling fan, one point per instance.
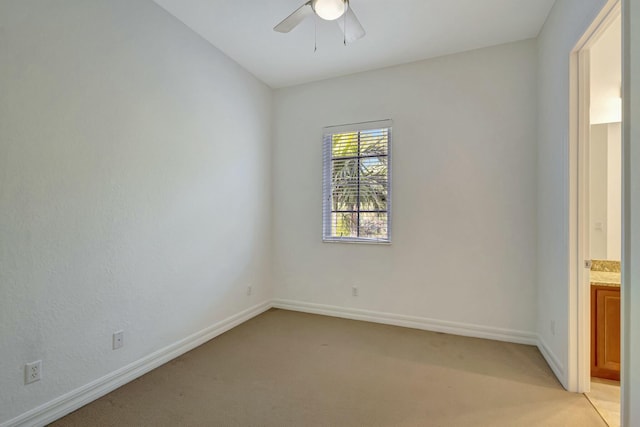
[[329, 10]]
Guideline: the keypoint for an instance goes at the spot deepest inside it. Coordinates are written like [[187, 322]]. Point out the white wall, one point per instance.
[[606, 109], [464, 190], [598, 190], [606, 75], [631, 185], [566, 23], [605, 191], [614, 191], [134, 190]]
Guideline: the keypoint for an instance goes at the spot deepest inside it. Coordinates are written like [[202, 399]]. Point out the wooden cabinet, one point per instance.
[[605, 332]]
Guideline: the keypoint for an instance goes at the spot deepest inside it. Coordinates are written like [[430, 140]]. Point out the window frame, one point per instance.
[[327, 196]]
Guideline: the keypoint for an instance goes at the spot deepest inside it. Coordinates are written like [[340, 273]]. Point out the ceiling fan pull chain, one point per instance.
[[315, 34], [346, 6]]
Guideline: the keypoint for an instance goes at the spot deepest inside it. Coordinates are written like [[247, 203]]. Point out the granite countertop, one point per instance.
[[605, 278]]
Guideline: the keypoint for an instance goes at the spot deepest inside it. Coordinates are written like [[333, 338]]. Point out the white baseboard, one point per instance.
[[79, 397], [455, 328], [552, 361]]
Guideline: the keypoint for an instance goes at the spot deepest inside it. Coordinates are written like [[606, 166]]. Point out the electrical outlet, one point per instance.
[[249, 290], [33, 372], [552, 326], [118, 339], [354, 291]]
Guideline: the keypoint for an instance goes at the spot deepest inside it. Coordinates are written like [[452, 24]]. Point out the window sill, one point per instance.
[[358, 242]]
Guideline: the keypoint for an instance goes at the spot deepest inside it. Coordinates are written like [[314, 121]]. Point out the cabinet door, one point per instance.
[[606, 333]]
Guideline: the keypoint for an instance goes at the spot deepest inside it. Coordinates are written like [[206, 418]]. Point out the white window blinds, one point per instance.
[[357, 182]]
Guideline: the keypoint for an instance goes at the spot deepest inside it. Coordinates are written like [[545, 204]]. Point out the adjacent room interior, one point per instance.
[[325, 213], [604, 234]]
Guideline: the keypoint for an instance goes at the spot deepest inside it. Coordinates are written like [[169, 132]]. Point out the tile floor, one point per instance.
[[605, 397]]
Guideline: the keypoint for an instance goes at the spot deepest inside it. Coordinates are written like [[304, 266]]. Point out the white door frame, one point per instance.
[[579, 364]]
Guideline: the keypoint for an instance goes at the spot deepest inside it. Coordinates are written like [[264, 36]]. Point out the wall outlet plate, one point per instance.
[[118, 339], [33, 372]]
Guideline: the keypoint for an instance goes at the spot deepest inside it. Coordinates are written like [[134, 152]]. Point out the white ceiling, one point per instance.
[[398, 32]]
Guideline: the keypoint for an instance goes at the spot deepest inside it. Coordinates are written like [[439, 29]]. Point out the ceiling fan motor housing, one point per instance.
[[329, 10]]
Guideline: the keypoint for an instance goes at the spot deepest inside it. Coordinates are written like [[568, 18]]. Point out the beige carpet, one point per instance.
[[292, 369]]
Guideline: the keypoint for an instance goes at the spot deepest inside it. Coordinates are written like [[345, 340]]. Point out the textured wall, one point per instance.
[[464, 187], [134, 189]]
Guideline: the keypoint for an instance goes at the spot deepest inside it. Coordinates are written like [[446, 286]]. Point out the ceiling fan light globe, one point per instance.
[[329, 10]]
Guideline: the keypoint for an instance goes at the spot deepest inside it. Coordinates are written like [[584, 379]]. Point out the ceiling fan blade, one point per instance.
[[350, 26], [292, 21]]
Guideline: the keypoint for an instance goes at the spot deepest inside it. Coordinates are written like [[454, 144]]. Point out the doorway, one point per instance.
[[597, 145]]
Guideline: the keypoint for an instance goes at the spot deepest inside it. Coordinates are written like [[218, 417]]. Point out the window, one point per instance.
[[357, 183]]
